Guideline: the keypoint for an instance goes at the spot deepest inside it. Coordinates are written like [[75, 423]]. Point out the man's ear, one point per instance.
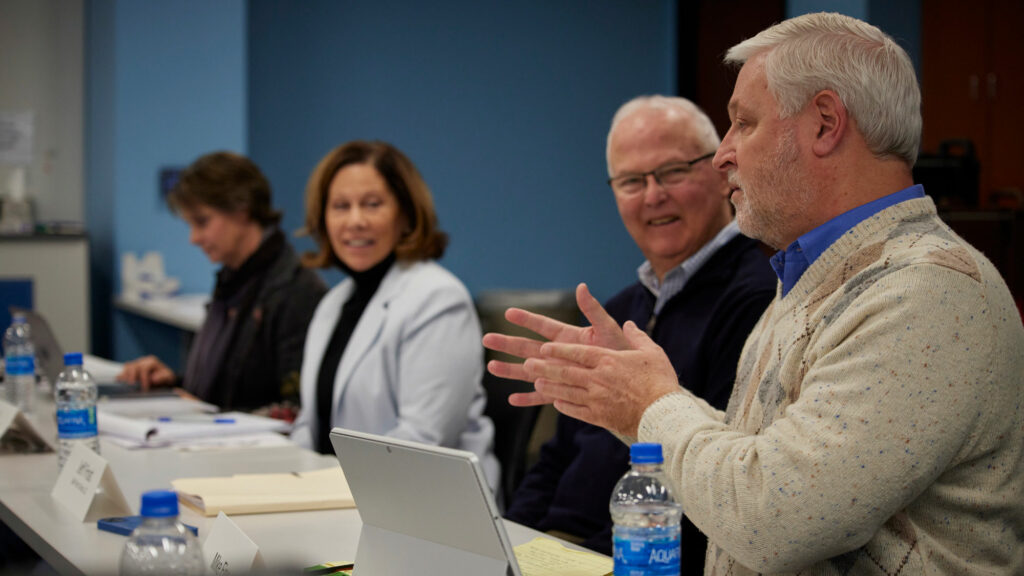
[[832, 121]]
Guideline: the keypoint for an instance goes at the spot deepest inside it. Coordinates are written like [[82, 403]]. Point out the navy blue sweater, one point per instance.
[[702, 329]]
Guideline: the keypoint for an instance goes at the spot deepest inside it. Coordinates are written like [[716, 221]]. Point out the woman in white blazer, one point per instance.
[[395, 348]]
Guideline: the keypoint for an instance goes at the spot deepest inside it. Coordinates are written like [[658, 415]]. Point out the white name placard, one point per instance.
[[18, 433], [87, 488], [227, 549]]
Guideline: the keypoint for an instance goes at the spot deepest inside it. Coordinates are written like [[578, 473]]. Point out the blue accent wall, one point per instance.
[[99, 170], [900, 19], [181, 91], [855, 8], [167, 82], [503, 107]]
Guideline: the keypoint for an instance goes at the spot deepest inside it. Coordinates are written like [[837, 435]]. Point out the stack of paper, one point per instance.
[[258, 493], [546, 557], [133, 431]]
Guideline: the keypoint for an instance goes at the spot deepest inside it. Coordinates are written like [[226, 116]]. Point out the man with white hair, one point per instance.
[[701, 289], [876, 425]]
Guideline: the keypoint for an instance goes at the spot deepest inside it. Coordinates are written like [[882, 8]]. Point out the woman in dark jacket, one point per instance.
[[248, 352]]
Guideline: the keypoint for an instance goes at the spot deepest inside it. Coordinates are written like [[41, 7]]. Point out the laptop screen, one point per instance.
[[50, 360], [49, 355], [423, 495]]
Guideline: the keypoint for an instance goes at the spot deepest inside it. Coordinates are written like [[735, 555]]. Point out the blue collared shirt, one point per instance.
[[790, 264], [676, 278]]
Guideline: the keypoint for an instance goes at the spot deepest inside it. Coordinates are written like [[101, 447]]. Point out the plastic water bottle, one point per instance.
[[161, 544], [76, 408], [19, 359], [646, 515]]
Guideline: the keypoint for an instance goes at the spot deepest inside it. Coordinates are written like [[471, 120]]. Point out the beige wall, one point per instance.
[[41, 69]]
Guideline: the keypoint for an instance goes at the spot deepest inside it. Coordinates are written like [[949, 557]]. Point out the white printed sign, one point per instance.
[[8, 414], [18, 433], [17, 128], [76, 488], [227, 550]]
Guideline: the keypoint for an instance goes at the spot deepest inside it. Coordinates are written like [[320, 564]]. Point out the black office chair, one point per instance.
[[950, 176], [513, 427]]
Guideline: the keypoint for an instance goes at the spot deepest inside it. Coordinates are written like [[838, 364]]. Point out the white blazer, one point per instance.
[[412, 368]]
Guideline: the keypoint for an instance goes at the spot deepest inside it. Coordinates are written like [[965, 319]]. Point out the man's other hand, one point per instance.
[[605, 387]]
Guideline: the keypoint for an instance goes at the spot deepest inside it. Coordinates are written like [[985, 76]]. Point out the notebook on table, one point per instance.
[[426, 510]]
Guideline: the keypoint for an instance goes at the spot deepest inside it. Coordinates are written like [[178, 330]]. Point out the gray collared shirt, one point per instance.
[[676, 278]]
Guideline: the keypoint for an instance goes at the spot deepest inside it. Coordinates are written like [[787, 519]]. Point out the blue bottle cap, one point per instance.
[[19, 318], [159, 504], [645, 453], [73, 359]]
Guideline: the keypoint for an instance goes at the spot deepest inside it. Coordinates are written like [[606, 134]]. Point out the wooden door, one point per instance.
[[1005, 89], [705, 30], [971, 82]]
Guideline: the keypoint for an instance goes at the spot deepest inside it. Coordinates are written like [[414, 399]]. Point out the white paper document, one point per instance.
[[228, 550], [179, 428], [258, 440], [101, 369], [17, 131]]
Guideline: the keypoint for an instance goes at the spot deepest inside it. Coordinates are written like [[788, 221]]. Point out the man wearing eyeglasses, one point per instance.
[[876, 425], [701, 289]]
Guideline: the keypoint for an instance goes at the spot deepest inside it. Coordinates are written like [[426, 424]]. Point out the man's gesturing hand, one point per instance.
[[607, 388], [603, 331]]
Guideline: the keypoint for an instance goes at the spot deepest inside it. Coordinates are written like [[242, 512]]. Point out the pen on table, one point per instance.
[[199, 420]]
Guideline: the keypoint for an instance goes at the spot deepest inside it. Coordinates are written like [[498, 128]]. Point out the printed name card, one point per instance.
[[86, 487], [17, 432], [227, 550]]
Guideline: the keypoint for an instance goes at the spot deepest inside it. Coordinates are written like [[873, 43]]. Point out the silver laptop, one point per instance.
[[426, 510], [50, 358]]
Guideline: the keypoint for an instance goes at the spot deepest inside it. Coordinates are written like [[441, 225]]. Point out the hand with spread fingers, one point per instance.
[[603, 331], [601, 386]]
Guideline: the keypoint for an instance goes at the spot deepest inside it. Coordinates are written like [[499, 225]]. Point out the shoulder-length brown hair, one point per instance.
[[423, 239]]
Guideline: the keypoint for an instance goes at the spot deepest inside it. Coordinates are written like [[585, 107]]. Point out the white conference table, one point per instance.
[[287, 542]]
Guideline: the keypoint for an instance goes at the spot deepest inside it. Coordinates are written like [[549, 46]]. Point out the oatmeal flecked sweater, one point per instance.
[[876, 425]]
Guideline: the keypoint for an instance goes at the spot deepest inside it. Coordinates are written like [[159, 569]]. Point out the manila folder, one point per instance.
[[259, 493]]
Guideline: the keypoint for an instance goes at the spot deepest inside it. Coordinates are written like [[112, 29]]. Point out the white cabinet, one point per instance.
[[58, 267]]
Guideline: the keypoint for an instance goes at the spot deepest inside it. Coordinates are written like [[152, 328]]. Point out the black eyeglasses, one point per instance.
[[668, 176]]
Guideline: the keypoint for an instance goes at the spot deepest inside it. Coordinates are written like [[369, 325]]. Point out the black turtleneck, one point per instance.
[[366, 284]]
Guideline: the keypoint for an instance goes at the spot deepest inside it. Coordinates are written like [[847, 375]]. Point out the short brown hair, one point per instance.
[[424, 239], [227, 182]]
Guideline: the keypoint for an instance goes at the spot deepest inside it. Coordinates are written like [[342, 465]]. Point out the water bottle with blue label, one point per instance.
[[646, 516], [19, 365], [76, 408]]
